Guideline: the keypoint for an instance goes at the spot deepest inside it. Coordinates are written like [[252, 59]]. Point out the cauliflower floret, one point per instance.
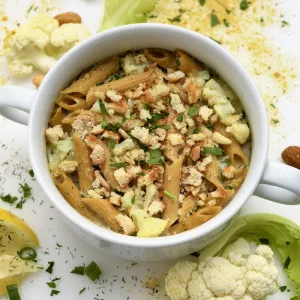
[[126, 223], [145, 114], [122, 177], [159, 90], [175, 76], [142, 134], [53, 134], [44, 22], [68, 166], [177, 280], [205, 112], [24, 49], [156, 207], [127, 200], [214, 93], [197, 137], [177, 104], [240, 131], [130, 65], [175, 139], [115, 199], [121, 148], [114, 96], [66, 37], [221, 139], [98, 155], [219, 270]]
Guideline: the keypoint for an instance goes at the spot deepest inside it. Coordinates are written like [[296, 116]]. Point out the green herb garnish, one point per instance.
[[25, 189], [202, 2], [212, 150], [196, 130], [78, 270], [13, 292], [31, 173], [123, 119], [50, 267], [209, 127], [175, 19], [111, 143], [214, 20], [81, 291], [117, 165], [156, 117], [226, 23], [193, 111], [283, 288], [287, 263], [27, 253], [133, 200], [180, 118], [8, 199], [54, 292], [177, 62], [102, 107], [93, 271], [133, 116], [170, 195], [244, 5], [264, 241], [155, 157], [51, 284]]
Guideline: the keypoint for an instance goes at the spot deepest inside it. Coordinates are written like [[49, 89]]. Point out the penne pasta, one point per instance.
[[212, 172], [234, 150], [70, 103], [188, 206], [105, 210], [187, 64], [172, 178], [70, 118], [126, 83], [97, 74], [85, 168], [163, 58], [57, 117]]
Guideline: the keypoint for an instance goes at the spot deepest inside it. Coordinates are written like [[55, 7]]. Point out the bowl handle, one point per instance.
[[282, 176], [14, 99]]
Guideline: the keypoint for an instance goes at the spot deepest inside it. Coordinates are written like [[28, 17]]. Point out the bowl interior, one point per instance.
[[141, 36]]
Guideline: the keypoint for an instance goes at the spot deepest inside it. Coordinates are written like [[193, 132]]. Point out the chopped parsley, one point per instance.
[[283, 288], [178, 64], [117, 165], [202, 2], [54, 292], [50, 267], [81, 291], [109, 126], [20, 204], [196, 130], [209, 127], [123, 119], [102, 107], [133, 200], [228, 187], [111, 143], [133, 116], [93, 271], [155, 157], [156, 117], [262, 20], [214, 20], [25, 189], [287, 263], [8, 199], [78, 270], [180, 118], [170, 195], [264, 241], [244, 5], [175, 19], [212, 150], [226, 23], [284, 23], [51, 284], [31, 173], [13, 292], [193, 111]]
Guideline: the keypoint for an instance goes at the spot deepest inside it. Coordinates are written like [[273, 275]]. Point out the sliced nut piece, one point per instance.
[[37, 80], [291, 156], [68, 17]]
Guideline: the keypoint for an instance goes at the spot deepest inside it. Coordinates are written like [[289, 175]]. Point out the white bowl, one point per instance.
[[116, 41]]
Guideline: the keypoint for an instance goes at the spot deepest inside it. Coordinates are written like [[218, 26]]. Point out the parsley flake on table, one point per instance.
[[81, 291], [54, 292], [25, 189], [50, 267], [13, 292], [92, 271], [31, 173], [8, 199], [214, 20], [78, 270]]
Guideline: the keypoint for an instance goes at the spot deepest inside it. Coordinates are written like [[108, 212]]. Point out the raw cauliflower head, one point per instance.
[[178, 278], [24, 49], [66, 37]]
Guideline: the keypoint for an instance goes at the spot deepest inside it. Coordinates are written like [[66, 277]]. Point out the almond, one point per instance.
[[37, 80], [291, 156], [68, 17]]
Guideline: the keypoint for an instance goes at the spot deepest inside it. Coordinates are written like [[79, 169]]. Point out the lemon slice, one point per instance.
[[14, 236], [13, 269]]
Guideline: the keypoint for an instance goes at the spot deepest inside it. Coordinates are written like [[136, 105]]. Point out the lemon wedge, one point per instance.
[[14, 236]]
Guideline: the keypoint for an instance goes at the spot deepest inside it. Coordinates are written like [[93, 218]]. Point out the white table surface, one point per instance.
[[121, 279]]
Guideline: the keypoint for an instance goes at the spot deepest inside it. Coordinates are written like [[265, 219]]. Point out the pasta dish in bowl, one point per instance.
[[148, 143]]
